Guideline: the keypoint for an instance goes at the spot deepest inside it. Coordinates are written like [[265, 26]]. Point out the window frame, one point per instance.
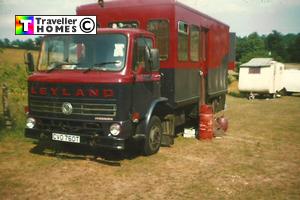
[[109, 25], [39, 67], [254, 70], [185, 34], [191, 42], [204, 41], [168, 37], [135, 66]]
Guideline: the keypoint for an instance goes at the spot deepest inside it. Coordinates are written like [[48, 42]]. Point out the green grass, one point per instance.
[[258, 159], [13, 74]]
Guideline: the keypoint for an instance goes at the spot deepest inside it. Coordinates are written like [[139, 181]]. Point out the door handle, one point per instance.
[[157, 76]]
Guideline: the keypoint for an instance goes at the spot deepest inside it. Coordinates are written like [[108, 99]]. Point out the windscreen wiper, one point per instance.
[[99, 65], [59, 65]]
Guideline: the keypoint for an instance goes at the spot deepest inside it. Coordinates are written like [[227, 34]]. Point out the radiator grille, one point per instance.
[[80, 127], [87, 109]]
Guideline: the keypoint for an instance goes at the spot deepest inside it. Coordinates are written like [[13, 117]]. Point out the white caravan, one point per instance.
[[261, 76]]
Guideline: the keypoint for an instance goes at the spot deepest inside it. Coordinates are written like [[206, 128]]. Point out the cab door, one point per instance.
[[146, 86]]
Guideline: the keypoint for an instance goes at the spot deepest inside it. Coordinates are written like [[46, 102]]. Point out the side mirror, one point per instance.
[[30, 62], [155, 59], [148, 59], [152, 62]]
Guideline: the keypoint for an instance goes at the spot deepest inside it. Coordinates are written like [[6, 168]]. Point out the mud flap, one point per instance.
[[168, 126]]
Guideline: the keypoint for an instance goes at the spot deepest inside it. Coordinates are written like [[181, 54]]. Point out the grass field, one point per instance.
[[257, 159], [13, 73]]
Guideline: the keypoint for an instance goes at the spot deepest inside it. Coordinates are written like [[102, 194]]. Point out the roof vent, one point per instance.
[[101, 3]]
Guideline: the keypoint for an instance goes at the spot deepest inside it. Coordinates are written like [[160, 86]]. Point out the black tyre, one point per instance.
[[153, 137]]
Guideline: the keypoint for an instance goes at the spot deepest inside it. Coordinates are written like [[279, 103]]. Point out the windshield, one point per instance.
[[105, 52]]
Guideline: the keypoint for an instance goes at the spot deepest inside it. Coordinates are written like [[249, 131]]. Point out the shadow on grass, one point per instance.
[[270, 97], [99, 155], [295, 95], [79, 152], [261, 96], [237, 94]]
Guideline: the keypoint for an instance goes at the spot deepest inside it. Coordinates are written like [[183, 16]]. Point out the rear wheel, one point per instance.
[[153, 136]]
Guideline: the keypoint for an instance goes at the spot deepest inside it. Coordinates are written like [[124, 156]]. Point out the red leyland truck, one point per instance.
[[146, 71]]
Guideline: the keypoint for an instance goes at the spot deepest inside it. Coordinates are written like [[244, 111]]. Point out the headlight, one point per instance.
[[30, 123], [115, 129]]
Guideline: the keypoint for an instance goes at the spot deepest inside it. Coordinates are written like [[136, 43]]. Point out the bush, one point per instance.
[[231, 79], [237, 94], [13, 73]]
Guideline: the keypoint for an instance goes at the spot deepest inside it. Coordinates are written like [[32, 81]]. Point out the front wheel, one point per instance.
[[153, 137]]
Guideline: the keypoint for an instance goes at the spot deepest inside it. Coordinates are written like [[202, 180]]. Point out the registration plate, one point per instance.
[[66, 138]]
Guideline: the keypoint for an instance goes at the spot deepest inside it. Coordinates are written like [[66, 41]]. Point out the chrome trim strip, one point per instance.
[[86, 109]]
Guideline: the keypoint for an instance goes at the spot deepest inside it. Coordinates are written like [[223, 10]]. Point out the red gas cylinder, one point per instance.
[[223, 122], [205, 122]]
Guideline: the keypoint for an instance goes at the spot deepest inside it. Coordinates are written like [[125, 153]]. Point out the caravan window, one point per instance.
[[255, 70]]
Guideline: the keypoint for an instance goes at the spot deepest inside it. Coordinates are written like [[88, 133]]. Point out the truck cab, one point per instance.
[[98, 90]]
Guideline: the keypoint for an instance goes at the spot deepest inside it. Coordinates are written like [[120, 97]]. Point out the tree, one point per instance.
[[16, 43], [28, 44], [284, 48], [275, 44], [289, 42], [1, 43], [249, 47], [294, 50], [38, 42], [6, 42]]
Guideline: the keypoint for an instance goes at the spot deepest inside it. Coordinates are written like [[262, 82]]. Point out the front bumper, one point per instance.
[[91, 140]]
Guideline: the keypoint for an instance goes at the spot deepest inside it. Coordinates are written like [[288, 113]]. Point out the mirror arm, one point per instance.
[[30, 62]]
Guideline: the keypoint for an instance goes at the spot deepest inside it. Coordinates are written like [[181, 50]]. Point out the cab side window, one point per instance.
[[140, 44]]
